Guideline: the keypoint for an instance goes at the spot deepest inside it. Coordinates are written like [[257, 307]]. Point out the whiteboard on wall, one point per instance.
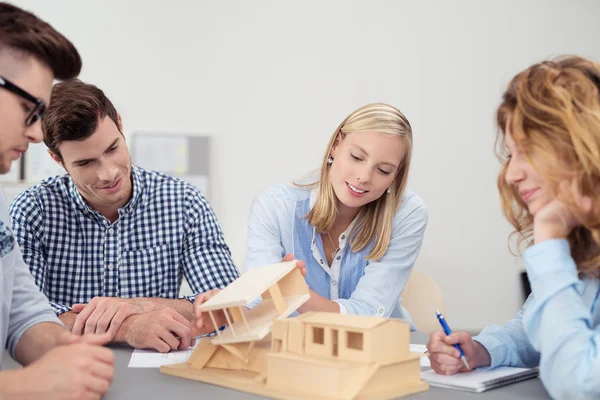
[[184, 156]]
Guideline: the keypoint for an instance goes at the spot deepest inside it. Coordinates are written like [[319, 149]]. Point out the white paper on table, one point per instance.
[[421, 348], [154, 359]]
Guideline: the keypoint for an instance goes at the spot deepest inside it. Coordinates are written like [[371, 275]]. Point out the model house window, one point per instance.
[[318, 335], [355, 340]]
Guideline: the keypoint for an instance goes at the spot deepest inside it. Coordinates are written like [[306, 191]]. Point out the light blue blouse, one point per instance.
[[558, 327], [277, 226]]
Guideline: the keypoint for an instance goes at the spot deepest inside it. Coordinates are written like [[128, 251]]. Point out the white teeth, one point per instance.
[[356, 189]]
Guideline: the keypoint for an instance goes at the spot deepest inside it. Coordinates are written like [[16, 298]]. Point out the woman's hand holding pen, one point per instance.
[[445, 358]]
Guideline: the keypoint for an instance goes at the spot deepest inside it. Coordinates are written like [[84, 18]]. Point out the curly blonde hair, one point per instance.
[[552, 110]]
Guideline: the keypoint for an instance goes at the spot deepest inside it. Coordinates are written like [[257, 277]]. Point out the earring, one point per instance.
[[389, 190], [330, 160]]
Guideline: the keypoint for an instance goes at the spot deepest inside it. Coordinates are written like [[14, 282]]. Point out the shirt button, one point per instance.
[[321, 261], [334, 282], [380, 311], [110, 231], [338, 257], [110, 267], [343, 237]]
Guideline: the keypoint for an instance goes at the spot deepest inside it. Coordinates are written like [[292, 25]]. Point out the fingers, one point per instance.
[[159, 345], [118, 319], [105, 321], [445, 369], [97, 385], [447, 361], [81, 319], [78, 307], [96, 339], [302, 266], [453, 338], [88, 395], [181, 327], [170, 339], [99, 353], [288, 257], [437, 344], [92, 320], [181, 319], [103, 370]]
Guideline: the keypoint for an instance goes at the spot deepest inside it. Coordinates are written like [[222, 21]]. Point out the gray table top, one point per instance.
[[148, 383]]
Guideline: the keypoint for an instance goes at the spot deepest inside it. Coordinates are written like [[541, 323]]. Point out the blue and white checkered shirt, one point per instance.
[[167, 230]]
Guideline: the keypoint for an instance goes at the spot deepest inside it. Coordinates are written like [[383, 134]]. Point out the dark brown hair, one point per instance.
[[23, 32], [74, 111], [552, 110]]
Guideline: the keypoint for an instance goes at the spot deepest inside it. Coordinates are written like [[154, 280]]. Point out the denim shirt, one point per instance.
[[278, 225], [558, 327]]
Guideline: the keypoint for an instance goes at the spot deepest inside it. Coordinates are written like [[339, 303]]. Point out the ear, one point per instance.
[[57, 159], [119, 123], [336, 143]]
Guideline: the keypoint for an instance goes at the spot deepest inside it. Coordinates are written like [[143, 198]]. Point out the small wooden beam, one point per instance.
[[229, 321], [275, 293], [212, 317], [245, 321]]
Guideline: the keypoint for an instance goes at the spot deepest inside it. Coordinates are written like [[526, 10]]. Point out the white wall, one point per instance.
[[272, 79]]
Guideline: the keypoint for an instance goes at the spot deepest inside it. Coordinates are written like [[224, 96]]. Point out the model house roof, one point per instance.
[[345, 321], [249, 286]]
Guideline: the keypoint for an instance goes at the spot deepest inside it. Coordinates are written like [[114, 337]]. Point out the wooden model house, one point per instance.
[[315, 355]]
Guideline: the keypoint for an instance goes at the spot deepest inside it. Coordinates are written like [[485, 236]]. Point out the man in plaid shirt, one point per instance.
[[109, 242]]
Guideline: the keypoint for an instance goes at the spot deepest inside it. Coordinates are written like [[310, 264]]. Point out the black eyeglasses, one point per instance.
[[39, 106]]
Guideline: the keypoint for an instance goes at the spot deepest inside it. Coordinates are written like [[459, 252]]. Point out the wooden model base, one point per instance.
[[251, 382], [323, 356]]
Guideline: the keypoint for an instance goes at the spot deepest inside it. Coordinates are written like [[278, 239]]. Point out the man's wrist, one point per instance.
[[124, 333]]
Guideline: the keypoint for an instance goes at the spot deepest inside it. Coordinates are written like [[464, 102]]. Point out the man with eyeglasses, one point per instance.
[[57, 364]]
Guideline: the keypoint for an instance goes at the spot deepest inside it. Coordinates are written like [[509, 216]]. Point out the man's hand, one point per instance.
[[103, 314], [163, 330], [202, 322], [75, 371]]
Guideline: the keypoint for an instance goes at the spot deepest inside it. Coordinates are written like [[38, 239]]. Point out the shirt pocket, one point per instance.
[[144, 272]]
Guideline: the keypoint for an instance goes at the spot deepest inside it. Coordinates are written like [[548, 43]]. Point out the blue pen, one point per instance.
[[448, 332]]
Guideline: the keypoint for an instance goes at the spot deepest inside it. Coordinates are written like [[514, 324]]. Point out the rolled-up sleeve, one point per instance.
[[508, 344]]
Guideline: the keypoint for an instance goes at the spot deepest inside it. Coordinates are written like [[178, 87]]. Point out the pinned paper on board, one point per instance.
[[185, 156]]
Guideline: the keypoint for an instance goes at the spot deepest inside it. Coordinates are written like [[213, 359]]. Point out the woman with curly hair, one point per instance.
[[549, 124]]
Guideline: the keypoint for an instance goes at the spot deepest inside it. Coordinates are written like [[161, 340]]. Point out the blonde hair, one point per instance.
[[552, 111], [375, 219]]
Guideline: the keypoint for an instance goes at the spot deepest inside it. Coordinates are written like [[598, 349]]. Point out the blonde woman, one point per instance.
[[550, 131], [354, 226]]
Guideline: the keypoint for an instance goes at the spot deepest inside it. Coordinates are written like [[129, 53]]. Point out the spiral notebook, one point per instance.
[[479, 381]]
